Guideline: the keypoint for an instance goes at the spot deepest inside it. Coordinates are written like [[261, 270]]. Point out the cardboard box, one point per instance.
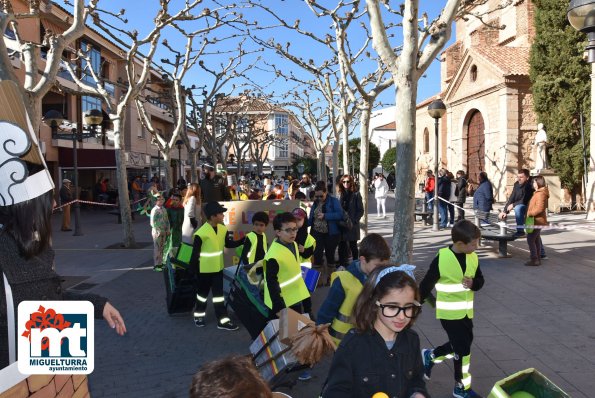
[[529, 381], [290, 322], [269, 354]]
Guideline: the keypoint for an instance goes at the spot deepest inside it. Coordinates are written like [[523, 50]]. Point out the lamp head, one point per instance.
[[53, 118], [437, 109], [93, 117]]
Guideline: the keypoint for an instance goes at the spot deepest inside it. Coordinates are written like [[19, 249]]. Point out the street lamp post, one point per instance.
[[352, 151], [179, 144], [93, 118], [581, 15], [436, 110]]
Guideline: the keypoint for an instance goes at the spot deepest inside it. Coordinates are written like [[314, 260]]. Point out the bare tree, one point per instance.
[[138, 67], [420, 43], [37, 84]]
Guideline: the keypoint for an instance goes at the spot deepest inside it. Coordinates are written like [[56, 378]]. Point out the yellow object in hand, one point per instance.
[[380, 395]]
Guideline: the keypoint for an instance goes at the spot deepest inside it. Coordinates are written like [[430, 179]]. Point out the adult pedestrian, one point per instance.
[[351, 202], [213, 187], [66, 197], [518, 201], [380, 194], [452, 199], [443, 193], [137, 189], [192, 212], [324, 216], [483, 198], [429, 187], [538, 210], [461, 193], [306, 185]]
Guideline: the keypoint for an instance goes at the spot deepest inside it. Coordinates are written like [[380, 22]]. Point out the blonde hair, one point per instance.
[[193, 190]]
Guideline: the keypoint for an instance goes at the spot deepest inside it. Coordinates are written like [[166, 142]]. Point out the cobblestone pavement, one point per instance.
[[539, 317]]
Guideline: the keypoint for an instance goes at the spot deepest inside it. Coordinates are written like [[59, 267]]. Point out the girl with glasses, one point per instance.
[[381, 354]]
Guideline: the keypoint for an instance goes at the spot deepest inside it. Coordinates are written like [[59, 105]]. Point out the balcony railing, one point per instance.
[[159, 104]]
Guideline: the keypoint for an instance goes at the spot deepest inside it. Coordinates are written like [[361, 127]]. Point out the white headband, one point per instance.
[[406, 268]]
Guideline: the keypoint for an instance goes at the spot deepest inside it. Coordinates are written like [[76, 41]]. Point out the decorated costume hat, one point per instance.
[[23, 172]]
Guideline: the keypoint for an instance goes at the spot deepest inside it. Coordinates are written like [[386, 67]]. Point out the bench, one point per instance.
[[116, 212], [421, 210], [494, 229]]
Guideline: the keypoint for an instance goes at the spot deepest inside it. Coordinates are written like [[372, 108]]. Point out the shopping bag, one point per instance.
[[529, 223]]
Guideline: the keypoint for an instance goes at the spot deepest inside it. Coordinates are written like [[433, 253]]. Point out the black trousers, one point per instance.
[[346, 247], [460, 337], [460, 212], [326, 245], [205, 283]]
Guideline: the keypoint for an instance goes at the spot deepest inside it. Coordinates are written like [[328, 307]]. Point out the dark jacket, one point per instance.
[[65, 195], [521, 194], [483, 197], [332, 213], [214, 190], [444, 187], [31, 279], [461, 190], [363, 366], [353, 205]]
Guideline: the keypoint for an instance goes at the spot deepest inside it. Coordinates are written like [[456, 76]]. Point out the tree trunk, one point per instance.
[[336, 158], [363, 166], [123, 195], [167, 184], [402, 245], [193, 170], [346, 154], [321, 166]]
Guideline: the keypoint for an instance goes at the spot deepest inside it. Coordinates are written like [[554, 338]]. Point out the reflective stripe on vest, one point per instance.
[[211, 250], [293, 288], [352, 287], [453, 301]]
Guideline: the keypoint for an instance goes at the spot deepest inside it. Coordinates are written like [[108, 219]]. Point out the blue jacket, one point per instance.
[[336, 295], [332, 213], [483, 197]]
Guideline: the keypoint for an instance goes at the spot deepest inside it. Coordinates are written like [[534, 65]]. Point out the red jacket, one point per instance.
[[429, 186]]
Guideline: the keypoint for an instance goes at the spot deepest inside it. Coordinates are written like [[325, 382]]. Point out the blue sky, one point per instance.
[[139, 18]]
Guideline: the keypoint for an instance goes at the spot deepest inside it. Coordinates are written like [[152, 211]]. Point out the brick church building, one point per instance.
[[490, 123]]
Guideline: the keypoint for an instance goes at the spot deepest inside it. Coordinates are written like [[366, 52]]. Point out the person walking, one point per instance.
[[380, 194], [192, 212], [483, 198], [452, 199], [351, 202], [538, 210], [66, 197]]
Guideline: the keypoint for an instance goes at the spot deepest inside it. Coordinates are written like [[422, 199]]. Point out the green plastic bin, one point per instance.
[[530, 381]]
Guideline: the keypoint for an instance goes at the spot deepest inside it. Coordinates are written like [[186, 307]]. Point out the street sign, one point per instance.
[[73, 136]]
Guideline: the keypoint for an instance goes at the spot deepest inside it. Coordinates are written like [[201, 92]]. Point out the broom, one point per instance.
[[311, 343]]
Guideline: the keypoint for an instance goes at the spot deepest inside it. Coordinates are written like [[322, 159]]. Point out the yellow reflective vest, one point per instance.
[[211, 250], [310, 242], [253, 238], [453, 301], [352, 288], [293, 288]]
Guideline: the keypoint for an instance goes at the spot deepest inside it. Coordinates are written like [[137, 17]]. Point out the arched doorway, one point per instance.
[[475, 146]]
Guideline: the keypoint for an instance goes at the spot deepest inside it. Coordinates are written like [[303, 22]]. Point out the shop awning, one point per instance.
[[95, 158]]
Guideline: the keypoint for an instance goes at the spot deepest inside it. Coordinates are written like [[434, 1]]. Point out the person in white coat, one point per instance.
[[192, 212], [380, 193]]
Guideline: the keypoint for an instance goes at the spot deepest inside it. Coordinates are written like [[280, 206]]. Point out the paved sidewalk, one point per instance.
[[539, 317]]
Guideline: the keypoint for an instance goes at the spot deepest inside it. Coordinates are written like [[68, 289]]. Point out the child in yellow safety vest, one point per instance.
[[456, 275], [283, 283], [346, 285], [207, 260], [255, 243]]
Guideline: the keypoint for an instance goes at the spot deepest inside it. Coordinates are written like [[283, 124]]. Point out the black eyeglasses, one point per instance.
[[392, 310], [290, 230]]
